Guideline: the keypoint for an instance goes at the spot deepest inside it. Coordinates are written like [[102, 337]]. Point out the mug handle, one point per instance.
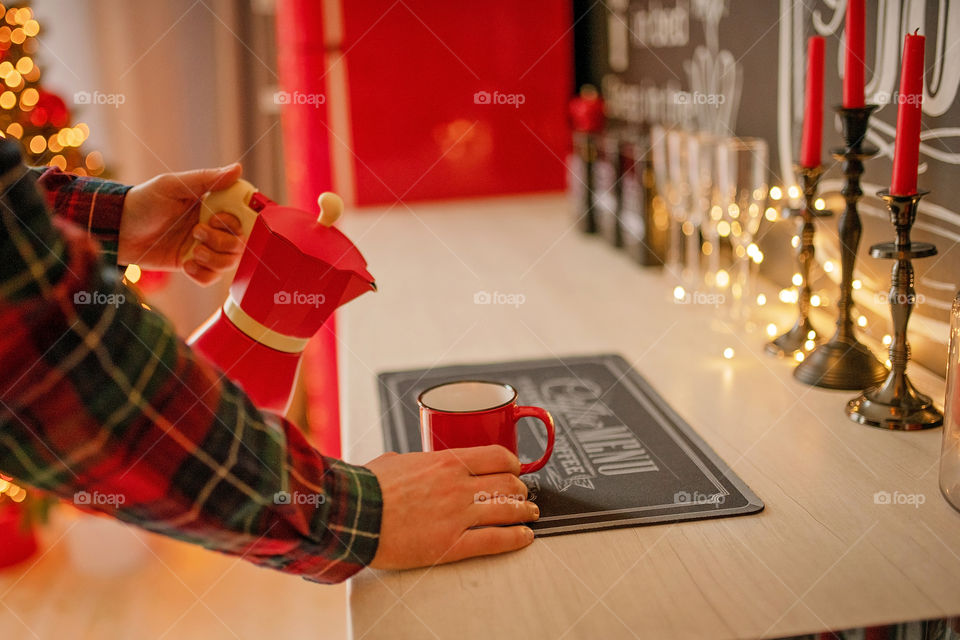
[[543, 416]]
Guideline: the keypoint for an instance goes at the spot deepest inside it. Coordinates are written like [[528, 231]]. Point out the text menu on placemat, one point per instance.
[[622, 457]]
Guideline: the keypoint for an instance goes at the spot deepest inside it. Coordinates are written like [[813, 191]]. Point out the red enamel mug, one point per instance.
[[475, 413]]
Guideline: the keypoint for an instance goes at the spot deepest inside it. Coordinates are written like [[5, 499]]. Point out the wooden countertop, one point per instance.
[[822, 555], [171, 590]]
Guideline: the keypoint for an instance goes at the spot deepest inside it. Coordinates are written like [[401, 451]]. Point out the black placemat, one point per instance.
[[622, 457]]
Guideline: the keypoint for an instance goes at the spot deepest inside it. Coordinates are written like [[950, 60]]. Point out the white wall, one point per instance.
[[160, 57], [69, 62]]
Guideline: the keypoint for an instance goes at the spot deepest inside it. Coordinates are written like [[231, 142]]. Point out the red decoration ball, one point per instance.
[[54, 108], [39, 117]]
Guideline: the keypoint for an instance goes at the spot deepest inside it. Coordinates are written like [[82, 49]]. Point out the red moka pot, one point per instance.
[[296, 270]]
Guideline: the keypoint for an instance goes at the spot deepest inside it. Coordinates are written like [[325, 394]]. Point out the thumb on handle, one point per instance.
[[235, 200]]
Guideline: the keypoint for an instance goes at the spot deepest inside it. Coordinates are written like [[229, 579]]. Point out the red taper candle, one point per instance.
[[854, 53], [813, 113], [906, 150]]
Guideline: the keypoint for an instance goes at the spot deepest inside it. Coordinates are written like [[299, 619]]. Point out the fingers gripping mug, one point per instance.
[[474, 413]]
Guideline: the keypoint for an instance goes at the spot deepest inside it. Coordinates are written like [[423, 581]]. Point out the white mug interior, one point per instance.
[[468, 396]]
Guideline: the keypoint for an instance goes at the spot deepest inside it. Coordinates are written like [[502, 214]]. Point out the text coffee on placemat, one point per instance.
[[622, 457]]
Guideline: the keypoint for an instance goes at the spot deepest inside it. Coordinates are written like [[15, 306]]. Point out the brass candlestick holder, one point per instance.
[[843, 362], [896, 404], [802, 331]]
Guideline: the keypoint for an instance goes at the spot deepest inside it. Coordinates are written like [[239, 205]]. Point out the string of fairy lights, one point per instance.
[[11, 491], [817, 299], [721, 279], [38, 118]]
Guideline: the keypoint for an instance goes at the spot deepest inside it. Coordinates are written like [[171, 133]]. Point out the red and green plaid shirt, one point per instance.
[[102, 405]]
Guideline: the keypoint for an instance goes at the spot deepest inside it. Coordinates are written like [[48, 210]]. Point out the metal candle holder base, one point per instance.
[[802, 331], [844, 362], [896, 404]]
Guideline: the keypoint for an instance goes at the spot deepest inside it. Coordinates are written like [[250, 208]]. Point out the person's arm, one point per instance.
[[150, 224], [93, 204], [102, 404]]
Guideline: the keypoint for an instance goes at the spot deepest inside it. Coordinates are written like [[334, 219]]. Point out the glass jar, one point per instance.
[[950, 455]]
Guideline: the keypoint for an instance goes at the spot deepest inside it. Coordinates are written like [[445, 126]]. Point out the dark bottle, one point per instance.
[[587, 120], [606, 188], [580, 180], [644, 222]]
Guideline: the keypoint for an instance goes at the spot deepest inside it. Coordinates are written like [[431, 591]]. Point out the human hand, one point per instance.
[[160, 220], [430, 504]]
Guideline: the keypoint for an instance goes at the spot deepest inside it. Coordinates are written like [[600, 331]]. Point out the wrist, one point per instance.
[[129, 204], [91, 203]]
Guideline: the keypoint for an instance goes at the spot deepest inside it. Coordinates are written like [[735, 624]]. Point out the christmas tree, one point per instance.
[[40, 120], [28, 112]]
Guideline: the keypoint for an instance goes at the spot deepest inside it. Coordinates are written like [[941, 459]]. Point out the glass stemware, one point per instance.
[[678, 171], [702, 165], [668, 193], [742, 196], [950, 454]]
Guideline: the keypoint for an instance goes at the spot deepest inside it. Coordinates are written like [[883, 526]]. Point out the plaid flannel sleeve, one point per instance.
[[102, 404], [90, 203]]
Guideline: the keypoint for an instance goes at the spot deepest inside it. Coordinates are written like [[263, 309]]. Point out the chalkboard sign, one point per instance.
[[622, 457], [737, 67]]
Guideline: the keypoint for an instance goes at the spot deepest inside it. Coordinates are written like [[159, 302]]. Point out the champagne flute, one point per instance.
[[742, 195], [667, 191], [678, 172], [701, 155]]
